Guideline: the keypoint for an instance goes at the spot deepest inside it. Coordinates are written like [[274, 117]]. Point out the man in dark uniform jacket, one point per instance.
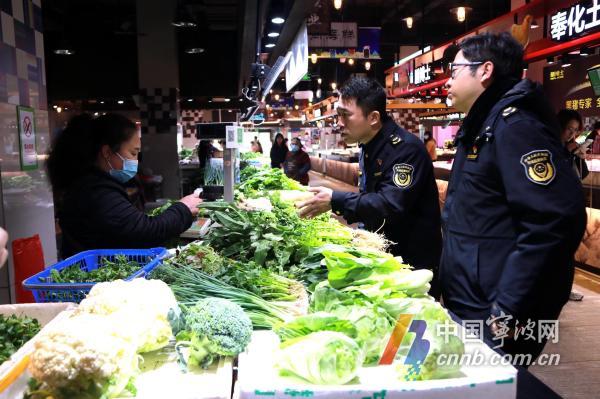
[[398, 194], [514, 212]]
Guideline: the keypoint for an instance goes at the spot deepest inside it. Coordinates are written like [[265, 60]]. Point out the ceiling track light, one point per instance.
[[409, 22], [337, 4]]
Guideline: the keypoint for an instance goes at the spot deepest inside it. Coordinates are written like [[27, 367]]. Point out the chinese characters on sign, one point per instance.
[[420, 75], [28, 150], [582, 103], [555, 75], [575, 21], [342, 34]]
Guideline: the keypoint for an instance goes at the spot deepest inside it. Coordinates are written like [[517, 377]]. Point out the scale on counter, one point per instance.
[[233, 135]]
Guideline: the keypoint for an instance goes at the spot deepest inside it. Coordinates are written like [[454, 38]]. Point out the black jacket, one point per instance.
[[514, 214], [278, 154], [96, 213], [397, 191]]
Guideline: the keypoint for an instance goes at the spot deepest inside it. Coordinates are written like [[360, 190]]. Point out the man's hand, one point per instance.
[[317, 205]]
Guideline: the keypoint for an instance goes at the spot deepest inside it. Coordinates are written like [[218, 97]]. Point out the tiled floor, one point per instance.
[[578, 374]]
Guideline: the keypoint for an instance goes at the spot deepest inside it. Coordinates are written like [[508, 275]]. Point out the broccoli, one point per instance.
[[215, 327]]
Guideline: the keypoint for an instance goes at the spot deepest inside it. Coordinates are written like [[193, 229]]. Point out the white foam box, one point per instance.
[[160, 377], [12, 371], [259, 379]]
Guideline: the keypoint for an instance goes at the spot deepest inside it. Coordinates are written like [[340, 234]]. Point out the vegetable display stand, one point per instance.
[[45, 290], [258, 378], [13, 374]]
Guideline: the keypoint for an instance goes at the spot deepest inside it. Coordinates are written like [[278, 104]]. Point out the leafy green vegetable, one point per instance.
[[256, 180], [109, 270], [15, 331], [324, 357], [244, 156], [186, 153], [190, 285], [319, 321], [160, 210], [215, 327]]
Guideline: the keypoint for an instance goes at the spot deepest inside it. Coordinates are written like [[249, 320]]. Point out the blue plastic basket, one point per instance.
[[45, 291]]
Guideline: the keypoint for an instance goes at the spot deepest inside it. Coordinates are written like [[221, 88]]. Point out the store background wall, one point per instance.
[[25, 211]]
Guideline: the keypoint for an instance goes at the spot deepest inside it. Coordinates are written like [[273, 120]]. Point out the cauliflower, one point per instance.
[[84, 357], [215, 327], [147, 307]]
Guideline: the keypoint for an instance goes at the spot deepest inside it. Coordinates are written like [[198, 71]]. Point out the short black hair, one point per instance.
[[75, 149], [565, 116], [501, 49], [368, 93]]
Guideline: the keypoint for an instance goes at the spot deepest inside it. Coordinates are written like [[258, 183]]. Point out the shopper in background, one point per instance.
[[398, 194], [297, 162], [256, 147], [571, 125], [430, 145], [88, 166], [515, 211], [279, 151]]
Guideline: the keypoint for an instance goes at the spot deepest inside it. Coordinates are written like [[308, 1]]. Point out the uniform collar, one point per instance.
[[380, 138]]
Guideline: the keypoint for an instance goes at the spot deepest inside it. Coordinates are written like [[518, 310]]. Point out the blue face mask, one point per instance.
[[130, 167], [294, 148]]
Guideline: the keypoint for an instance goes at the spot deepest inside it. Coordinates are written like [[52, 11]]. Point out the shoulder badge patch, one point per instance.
[[403, 175], [508, 111], [539, 167]]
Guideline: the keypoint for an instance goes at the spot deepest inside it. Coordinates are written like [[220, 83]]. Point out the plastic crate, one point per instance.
[[148, 259]]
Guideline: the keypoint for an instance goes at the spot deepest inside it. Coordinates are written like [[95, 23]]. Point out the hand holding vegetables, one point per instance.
[[191, 201], [317, 205]]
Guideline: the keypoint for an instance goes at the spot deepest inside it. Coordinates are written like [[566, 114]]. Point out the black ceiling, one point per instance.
[[104, 36]]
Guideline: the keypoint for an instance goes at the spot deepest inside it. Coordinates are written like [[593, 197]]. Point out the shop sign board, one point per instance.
[[420, 75], [342, 34], [575, 21], [27, 147]]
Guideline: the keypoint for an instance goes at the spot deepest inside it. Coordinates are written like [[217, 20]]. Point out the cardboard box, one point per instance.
[[258, 379]]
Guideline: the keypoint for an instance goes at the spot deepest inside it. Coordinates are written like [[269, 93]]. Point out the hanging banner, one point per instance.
[[27, 147], [342, 34]]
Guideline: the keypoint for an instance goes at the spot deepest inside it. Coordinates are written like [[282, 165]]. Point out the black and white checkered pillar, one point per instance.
[[158, 72]]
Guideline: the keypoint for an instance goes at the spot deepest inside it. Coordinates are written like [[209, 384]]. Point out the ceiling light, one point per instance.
[[273, 34], [190, 100], [461, 13], [54, 106], [550, 60], [585, 51], [58, 109], [241, 99], [101, 102], [183, 18], [64, 51], [278, 20], [271, 91], [351, 61], [288, 112], [409, 22], [194, 50], [270, 45], [227, 100], [367, 65], [230, 111], [565, 60], [319, 81], [120, 101], [296, 107], [534, 24], [337, 4], [313, 58], [276, 97], [95, 114], [343, 60], [333, 85]]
